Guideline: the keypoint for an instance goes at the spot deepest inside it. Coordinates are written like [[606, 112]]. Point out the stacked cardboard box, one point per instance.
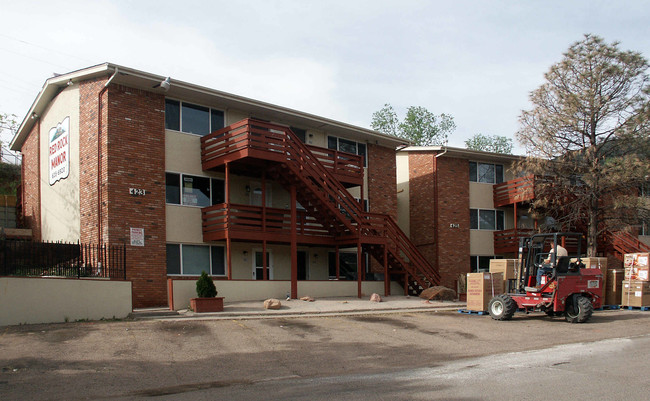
[[509, 268], [481, 287], [636, 293], [637, 266], [614, 287]]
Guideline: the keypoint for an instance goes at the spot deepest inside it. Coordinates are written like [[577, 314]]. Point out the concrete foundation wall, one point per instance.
[[52, 300], [234, 290]]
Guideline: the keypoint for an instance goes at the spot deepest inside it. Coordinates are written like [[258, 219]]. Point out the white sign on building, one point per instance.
[[59, 151], [137, 236]]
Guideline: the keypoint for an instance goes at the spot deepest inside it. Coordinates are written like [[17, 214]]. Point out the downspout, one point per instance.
[[435, 208], [99, 156]]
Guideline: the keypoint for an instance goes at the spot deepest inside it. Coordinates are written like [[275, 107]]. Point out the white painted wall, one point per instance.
[[235, 290], [60, 216], [51, 300]]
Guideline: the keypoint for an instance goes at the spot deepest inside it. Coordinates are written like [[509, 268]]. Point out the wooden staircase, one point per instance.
[[619, 243], [321, 194]]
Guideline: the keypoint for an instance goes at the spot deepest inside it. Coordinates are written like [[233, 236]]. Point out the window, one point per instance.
[[346, 145], [192, 118], [481, 263], [194, 259], [300, 133], [486, 219], [485, 172], [190, 190]]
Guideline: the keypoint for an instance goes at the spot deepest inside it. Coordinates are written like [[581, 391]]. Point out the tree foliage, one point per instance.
[[588, 130], [8, 125], [419, 126], [490, 143]]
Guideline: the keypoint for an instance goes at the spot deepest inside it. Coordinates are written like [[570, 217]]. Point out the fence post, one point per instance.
[[124, 260]]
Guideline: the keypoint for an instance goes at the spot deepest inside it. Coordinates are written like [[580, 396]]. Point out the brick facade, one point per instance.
[[382, 180], [453, 209], [133, 156], [31, 189], [453, 206]]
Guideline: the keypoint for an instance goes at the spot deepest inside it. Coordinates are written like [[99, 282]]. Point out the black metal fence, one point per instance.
[[38, 259]]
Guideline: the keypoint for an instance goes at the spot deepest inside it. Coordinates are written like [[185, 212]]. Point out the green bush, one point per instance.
[[205, 287]]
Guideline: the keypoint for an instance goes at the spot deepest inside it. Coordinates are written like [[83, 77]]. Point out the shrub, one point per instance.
[[205, 287]]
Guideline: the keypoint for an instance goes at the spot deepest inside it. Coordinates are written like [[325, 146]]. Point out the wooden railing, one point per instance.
[[520, 189], [222, 217], [252, 138], [623, 243], [268, 141], [507, 241]]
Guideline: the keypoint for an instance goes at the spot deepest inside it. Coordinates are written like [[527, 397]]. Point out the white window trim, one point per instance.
[[180, 116], [495, 173], [181, 187], [182, 274], [495, 219]]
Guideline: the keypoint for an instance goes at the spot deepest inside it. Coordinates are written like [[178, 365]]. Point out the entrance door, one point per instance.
[[256, 194], [303, 266], [258, 263]]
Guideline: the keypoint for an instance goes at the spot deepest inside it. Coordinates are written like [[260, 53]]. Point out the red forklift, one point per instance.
[[566, 286]]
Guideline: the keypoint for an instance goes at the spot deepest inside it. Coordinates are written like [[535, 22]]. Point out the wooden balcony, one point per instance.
[[507, 241], [520, 189], [255, 223], [258, 140]]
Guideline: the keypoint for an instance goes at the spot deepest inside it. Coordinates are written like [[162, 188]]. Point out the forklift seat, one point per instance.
[[562, 266]]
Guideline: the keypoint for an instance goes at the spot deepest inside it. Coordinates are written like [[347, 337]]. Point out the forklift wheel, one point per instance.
[[578, 309], [502, 307]]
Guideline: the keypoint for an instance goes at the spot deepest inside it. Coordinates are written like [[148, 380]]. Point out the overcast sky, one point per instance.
[[475, 60]]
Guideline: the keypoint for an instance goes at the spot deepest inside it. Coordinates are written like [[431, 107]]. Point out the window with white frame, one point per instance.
[[192, 260], [486, 173], [486, 219], [192, 190], [348, 146], [192, 118]]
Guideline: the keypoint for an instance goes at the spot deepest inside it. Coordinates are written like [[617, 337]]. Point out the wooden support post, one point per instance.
[[294, 245], [338, 263], [359, 257], [229, 257], [386, 275], [406, 283], [265, 270]]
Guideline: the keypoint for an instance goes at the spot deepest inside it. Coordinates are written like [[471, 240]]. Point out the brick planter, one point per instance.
[[202, 305]]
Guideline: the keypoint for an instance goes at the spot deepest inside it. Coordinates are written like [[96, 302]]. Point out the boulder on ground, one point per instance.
[[438, 293], [307, 298], [375, 297], [272, 303]]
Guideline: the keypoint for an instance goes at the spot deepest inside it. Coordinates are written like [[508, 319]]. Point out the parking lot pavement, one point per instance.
[[296, 307]]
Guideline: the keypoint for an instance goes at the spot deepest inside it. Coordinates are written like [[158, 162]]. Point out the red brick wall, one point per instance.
[[453, 208], [453, 203], [88, 153], [30, 182], [136, 159], [132, 156], [382, 180]]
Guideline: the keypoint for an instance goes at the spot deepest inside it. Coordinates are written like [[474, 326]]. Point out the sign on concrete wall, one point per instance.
[[59, 151]]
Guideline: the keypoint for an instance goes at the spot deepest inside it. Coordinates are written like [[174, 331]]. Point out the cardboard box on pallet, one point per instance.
[[635, 293], [614, 287], [637, 266], [508, 267], [481, 287]]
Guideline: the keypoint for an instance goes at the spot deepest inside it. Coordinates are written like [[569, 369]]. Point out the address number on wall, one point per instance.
[[137, 191]]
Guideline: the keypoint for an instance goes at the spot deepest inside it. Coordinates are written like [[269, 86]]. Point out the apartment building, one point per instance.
[[268, 200]]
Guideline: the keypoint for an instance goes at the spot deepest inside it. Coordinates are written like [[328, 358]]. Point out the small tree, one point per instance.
[[490, 143], [588, 130], [205, 287], [420, 126]]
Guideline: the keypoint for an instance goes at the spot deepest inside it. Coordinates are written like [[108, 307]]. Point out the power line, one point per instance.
[[58, 52]]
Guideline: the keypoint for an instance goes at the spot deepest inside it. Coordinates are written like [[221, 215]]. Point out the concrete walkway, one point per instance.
[[297, 308]]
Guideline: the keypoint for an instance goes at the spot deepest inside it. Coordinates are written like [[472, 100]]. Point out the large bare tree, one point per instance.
[[588, 132]]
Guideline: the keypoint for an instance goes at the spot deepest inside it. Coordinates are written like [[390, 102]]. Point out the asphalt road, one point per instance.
[[430, 355]]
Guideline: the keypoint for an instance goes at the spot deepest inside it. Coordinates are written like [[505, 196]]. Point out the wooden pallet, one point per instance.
[[472, 312], [642, 308]]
